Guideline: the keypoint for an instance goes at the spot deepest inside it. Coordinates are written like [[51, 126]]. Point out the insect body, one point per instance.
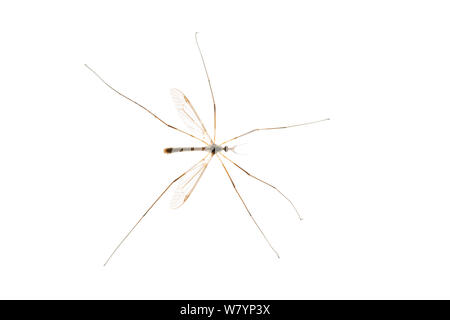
[[213, 149], [186, 182]]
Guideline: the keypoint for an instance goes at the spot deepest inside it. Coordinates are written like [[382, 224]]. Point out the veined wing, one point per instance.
[[186, 184], [189, 116]]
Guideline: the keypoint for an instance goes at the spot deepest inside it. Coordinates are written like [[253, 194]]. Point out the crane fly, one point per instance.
[[185, 183]]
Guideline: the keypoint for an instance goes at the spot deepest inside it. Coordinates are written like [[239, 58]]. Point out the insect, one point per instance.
[[194, 127]]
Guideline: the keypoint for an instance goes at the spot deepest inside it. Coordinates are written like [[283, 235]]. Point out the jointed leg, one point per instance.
[[145, 213], [209, 83], [298, 214], [140, 105], [246, 208], [275, 128]]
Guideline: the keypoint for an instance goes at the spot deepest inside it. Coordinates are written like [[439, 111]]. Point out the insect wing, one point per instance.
[[188, 114], [186, 184]]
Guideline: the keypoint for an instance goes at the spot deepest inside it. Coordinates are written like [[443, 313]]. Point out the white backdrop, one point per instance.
[[80, 164]]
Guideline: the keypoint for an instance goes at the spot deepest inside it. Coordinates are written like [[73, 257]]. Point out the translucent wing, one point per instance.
[[189, 116], [186, 184]]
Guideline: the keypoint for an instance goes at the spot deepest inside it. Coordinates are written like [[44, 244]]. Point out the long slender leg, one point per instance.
[[249, 174], [246, 208], [145, 213], [140, 105], [275, 128], [210, 87]]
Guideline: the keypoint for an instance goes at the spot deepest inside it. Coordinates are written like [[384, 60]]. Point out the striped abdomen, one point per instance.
[[183, 149]]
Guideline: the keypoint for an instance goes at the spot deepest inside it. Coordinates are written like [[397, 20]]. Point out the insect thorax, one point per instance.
[[214, 148]]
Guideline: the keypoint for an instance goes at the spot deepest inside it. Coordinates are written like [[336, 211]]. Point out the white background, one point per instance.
[[80, 164]]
